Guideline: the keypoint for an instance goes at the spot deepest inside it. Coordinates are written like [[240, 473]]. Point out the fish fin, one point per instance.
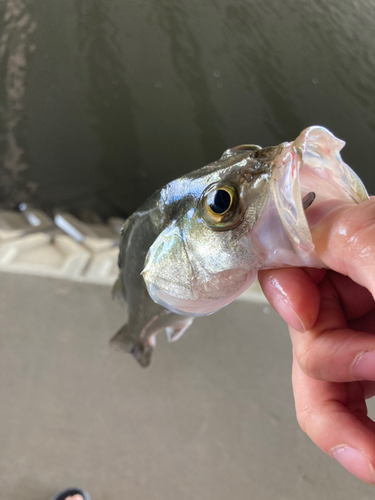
[[126, 228], [117, 291], [176, 332], [141, 351]]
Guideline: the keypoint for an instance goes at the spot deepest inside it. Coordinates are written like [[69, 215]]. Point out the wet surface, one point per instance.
[[103, 102]]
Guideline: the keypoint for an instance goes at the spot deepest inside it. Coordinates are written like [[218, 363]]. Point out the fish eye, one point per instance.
[[219, 201], [220, 207]]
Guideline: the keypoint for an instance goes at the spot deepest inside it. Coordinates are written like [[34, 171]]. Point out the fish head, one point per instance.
[[204, 258], [248, 214]]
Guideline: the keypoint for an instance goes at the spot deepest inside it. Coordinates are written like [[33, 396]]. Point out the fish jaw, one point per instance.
[[311, 164], [202, 304]]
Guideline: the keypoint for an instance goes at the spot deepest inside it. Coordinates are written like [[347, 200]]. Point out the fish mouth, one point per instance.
[[306, 172]]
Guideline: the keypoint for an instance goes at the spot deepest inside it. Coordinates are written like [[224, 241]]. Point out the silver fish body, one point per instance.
[[197, 243]]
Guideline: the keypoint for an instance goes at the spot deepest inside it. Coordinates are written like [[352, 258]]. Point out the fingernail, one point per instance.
[[354, 462], [364, 366], [288, 314]]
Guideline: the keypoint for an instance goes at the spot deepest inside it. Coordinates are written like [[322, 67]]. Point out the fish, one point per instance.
[[197, 243]]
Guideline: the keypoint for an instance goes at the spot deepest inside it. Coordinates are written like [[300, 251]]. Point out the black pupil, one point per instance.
[[221, 202]]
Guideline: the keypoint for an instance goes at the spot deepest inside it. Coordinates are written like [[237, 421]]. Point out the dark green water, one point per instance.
[[103, 101]]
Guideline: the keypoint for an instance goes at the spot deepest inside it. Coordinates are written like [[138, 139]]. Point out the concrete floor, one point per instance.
[[212, 419]]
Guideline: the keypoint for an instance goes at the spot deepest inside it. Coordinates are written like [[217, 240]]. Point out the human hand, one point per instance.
[[331, 318]]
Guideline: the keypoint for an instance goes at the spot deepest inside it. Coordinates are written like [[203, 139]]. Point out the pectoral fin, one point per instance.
[[175, 332], [117, 291]]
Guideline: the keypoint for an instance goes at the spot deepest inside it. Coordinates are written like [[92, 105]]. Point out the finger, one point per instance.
[[365, 324], [330, 350], [334, 417], [347, 226], [315, 274], [345, 242], [368, 388], [293, 294], [355, 300]]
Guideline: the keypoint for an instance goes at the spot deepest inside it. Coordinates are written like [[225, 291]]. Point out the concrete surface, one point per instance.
[[212, 419]]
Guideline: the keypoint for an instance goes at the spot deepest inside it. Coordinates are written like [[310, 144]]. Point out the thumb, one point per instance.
[[345, 241]]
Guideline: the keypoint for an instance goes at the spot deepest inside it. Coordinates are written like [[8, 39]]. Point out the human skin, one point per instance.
[[331, 318]]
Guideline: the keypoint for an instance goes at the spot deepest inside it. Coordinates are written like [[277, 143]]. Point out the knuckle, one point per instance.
[[306, 416], [303, 417], [308, 360], [326, 358]]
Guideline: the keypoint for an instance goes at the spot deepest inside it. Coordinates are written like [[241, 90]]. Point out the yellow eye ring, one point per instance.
[[219, 201], [220, 207]]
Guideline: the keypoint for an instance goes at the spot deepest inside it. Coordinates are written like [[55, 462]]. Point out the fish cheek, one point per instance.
[[168, 265]]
